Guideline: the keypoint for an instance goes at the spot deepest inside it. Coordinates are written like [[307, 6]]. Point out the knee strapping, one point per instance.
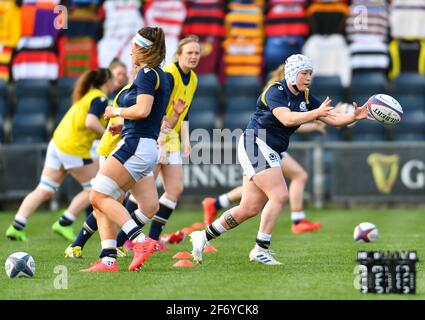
[[48, 184], [106, 185]]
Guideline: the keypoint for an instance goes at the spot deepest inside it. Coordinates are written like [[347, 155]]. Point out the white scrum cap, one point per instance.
[[295, 64]]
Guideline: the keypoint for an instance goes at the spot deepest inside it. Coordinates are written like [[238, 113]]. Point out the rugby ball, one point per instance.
[[385, 109], [365, 232]]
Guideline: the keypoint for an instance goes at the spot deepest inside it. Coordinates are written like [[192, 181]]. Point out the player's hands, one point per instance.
[[115, 128], [110, 112], [161, 139], [179, 106], [166, 125], [360, 113], [326, 110]]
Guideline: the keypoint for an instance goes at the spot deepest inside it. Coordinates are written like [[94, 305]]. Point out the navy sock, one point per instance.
[[211, 232], [88, 229], [89, 210], [109, 252], [130, 206], [134, 233], [64, 221], [296, 221], [263, 244], [122, 236], [159, 220], [18, 225], [217, 204]]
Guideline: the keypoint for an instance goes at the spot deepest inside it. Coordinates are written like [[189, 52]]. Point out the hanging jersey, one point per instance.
[[71, 135], [407, 56], [108, 142], [275, 96], [182, 87], [151, 82]]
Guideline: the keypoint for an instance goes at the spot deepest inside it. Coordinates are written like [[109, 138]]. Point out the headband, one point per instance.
[[141, 41]]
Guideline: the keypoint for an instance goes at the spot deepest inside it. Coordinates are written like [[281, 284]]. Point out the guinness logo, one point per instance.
[[385, 170]]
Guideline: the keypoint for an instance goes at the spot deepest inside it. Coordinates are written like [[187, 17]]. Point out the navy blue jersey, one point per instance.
[[155, 84], [120, 100], [98, 106], [275, 96]]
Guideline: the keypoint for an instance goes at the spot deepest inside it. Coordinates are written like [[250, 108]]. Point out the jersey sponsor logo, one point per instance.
[[303, 107], [273, 157]]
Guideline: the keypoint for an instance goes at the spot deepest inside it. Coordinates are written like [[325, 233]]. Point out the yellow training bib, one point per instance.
[[182, 91], [71, 135], [108, 142]]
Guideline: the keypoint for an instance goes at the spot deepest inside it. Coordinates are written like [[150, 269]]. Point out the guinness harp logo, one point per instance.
[[384, 169]]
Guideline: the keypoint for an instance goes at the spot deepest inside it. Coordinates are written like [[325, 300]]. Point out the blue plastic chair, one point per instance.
[[29, 128]]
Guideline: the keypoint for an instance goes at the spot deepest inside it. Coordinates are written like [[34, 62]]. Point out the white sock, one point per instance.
[[140, 238], [109, 243], [217, 226], [297, 215], [224, 201], [167, 202], [108, 261], [21, 219], [139, 214], [264, 236], [69, 216], [128, 226]]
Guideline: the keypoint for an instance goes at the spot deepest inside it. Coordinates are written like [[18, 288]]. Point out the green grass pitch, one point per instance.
[[317, 265]]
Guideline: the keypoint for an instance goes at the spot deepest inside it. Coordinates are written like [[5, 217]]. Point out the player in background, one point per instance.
[[290, 169], [69, 152], [107, 144], [131, 164], [183, 82], [281, 109], [119, 79]]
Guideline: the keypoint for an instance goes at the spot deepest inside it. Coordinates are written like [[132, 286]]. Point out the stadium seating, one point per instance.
[[286, 31], [410, 131], [1, 129], [332, 134], [245, 86], [241, 104], [29, 128], [3, 97], [204, 119], [409, 90], [208, 92], [33, 96], [236, 120], [366, 84], [323, 86], [278, 49], [64, 93], [368, 130], [205, 103], [241, 94], [208, 85]]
